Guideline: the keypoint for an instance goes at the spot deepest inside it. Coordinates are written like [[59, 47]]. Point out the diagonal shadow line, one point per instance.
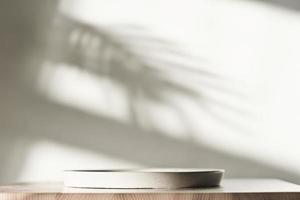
[[293, 5], [130, 143]]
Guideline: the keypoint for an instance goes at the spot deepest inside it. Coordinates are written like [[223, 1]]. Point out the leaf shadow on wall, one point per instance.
[[148, 68], [104, 52]]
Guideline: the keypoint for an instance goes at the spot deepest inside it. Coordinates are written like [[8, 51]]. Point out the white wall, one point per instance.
[[97, 84]]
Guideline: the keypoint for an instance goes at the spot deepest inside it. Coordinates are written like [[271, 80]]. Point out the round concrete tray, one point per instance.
[[143, 178]]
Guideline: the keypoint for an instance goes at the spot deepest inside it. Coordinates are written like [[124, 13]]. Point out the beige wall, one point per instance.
[[98, 84]]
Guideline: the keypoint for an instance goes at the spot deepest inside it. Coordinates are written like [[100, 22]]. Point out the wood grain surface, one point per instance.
[[237, 189]]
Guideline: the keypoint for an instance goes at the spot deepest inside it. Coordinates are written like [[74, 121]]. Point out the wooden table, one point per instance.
[[236, 189]]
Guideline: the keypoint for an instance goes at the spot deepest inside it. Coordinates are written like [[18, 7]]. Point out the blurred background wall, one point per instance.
[[173, 83]]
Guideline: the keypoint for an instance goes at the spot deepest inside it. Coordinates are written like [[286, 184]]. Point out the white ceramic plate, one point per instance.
[[143, 178]]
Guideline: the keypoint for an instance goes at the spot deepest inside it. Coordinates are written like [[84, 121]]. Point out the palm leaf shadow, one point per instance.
[[116, 53]]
